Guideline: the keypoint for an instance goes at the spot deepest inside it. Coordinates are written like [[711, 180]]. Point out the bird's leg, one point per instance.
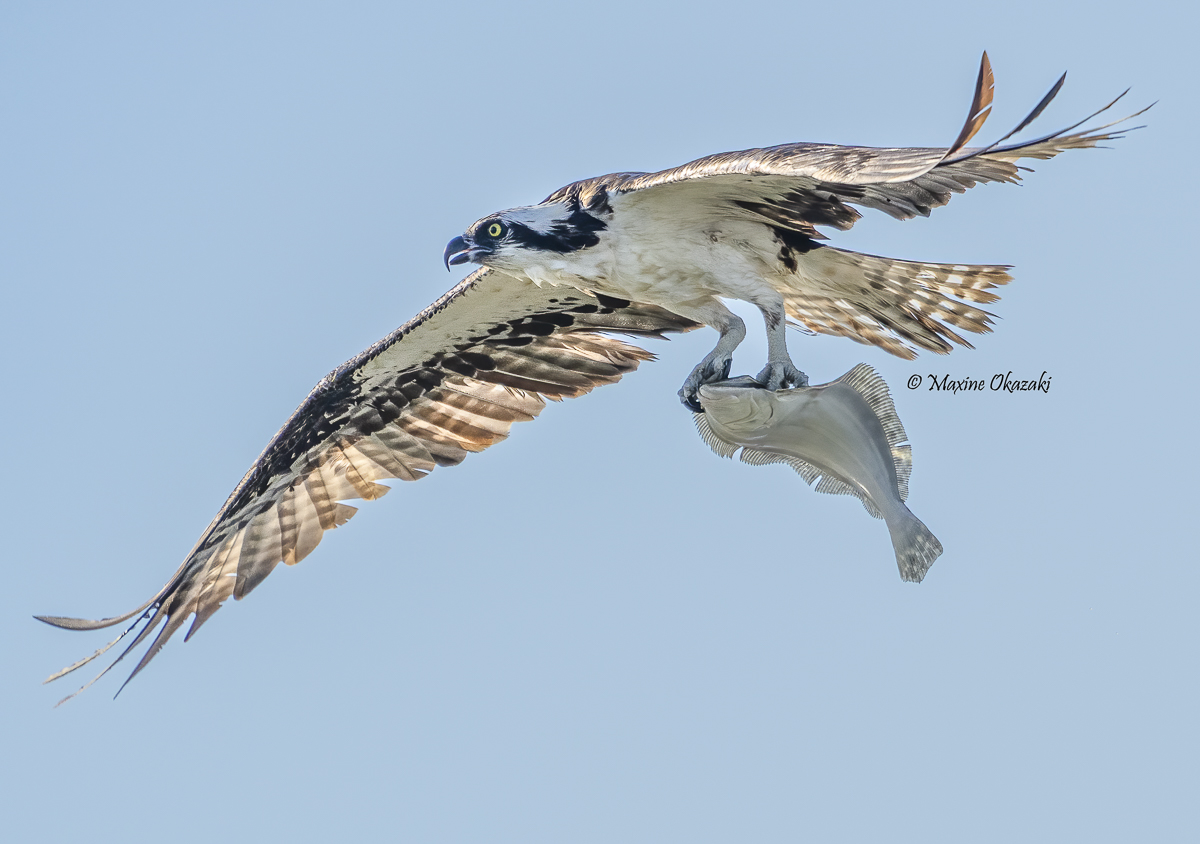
[[779, 372], [715, 366]]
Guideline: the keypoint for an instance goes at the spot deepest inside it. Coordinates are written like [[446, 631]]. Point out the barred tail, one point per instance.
[[900, 306]]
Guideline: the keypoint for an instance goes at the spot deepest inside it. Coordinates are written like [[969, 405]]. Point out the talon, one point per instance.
[[691, 402], [706, 372], [778, 375]]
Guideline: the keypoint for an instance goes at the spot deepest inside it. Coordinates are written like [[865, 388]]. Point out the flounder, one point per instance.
[[844, 436]]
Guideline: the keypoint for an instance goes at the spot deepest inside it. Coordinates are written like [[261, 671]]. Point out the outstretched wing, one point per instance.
[[802, 185], [787, 192], [450, 382]]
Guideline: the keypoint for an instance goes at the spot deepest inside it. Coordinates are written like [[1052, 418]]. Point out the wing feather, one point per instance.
[[800, 185], [450, 382], [981, 106]]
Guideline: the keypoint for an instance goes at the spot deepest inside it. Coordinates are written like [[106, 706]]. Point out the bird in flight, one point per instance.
[[744, 225], [637, 254]]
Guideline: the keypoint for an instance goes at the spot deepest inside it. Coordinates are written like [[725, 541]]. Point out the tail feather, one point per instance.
[[900, 306]]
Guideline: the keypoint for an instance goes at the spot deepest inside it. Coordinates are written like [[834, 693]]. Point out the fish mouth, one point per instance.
[[458, 251]]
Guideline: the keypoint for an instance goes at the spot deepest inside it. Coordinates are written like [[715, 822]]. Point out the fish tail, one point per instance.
[[916, 546]]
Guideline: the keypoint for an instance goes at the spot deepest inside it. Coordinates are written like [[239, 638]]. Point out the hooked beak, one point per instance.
[[457, 252]]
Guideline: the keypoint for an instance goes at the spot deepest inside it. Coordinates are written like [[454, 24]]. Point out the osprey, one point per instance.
[[642, 254], [743, 225]]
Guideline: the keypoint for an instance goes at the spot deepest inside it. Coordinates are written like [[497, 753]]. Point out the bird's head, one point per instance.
[[513, 239]]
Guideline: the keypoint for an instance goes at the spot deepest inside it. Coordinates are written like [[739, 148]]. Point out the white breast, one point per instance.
[[673, 252], [669, 255]]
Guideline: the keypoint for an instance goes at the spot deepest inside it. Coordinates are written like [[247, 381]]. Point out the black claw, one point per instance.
[[691, 403], [709, 374]]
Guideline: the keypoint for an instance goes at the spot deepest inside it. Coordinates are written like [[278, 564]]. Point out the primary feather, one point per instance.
[[450, 382]]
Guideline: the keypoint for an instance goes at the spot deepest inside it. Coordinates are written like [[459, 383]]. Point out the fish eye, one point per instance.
[[495, 230]]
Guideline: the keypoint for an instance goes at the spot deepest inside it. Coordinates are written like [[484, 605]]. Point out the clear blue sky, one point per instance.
[[596, 631]]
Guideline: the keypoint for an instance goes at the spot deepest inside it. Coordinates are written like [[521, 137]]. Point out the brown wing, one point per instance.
[[450, 382], [801, 185]]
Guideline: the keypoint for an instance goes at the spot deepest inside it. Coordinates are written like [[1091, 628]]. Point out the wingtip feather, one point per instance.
[[981, 106], [69, 623]]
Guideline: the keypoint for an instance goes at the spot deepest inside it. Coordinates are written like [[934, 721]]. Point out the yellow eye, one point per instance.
[[494, 230]]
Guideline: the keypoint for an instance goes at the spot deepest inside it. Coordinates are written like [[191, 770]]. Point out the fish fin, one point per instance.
[[869, 384], [718, 445], [764, 458], [825, 482], [915, 545], [836, 486]]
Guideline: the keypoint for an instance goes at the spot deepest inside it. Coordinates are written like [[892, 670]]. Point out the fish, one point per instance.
[[844, 437]]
